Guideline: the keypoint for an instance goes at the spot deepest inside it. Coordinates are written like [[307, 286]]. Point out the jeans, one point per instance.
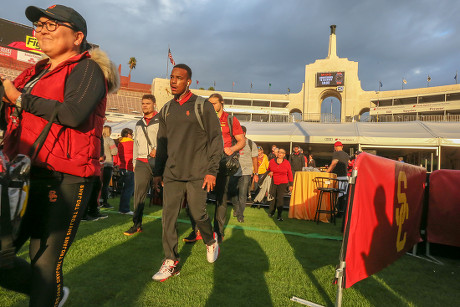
[[127, 177], [239, 200]]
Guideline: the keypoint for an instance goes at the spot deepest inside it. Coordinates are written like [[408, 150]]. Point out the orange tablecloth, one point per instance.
[[304, 196]]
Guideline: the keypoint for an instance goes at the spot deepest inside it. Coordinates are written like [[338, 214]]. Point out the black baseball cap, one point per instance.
[[59, 13]]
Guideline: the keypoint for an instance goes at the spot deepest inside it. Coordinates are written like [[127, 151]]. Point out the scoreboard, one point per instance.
[[324, 79]]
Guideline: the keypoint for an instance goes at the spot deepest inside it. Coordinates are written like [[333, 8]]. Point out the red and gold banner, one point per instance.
[[386, 215], [444, 208]]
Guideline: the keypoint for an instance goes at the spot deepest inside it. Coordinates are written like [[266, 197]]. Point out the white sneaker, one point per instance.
[[65, 296], [212, 251], [127, 213], [168, 268]]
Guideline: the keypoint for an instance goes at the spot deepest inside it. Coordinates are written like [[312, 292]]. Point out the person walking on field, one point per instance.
[[144, 151], [280, 171], [189, 149], [248, 170], [234, 141]]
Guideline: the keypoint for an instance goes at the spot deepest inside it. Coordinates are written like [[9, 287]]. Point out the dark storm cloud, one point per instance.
[[271, 41]]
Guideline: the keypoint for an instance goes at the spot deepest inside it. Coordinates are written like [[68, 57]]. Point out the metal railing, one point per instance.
[[414, 117], [320, 118]]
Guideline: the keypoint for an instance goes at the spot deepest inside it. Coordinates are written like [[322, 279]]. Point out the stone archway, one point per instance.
[[296, 114], [364, 115], [331, 106]]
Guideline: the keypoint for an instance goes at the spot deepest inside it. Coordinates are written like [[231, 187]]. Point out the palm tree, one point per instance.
[[132, 65]]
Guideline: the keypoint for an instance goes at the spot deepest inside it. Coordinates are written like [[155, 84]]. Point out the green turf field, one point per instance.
[[263, 262]]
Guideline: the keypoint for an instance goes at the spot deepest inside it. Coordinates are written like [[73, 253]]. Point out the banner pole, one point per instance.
[[340, 271]]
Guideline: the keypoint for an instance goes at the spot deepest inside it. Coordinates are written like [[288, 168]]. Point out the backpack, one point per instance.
[[198, 110], [229, 165]]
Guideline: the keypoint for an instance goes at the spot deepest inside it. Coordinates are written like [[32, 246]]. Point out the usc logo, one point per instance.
[[52, 196], [402, 213]]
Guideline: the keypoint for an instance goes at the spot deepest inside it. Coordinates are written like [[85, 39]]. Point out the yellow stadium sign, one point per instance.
[[32, 42]]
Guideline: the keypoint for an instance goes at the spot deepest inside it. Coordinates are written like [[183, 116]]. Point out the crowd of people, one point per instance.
[[188, 149]]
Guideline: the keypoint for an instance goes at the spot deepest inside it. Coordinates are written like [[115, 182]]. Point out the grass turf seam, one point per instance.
[[284, 232]]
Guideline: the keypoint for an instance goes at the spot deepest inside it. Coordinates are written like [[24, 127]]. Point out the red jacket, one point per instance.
[[73, 151], [125, 154], [282, 173]]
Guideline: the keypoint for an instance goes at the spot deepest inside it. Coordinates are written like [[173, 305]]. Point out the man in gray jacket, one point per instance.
[[144, 149]]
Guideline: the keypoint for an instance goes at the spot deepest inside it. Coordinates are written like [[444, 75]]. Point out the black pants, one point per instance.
[[93, 203], [106, 176], [173, 197], [142, 181], [277, 191], [220, 214], [56, 204]]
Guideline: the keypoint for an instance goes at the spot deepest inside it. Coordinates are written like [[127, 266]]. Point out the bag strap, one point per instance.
[[230, 124], [230, 127], [199, 105], [146, 136], [38, 144], [165, 109]]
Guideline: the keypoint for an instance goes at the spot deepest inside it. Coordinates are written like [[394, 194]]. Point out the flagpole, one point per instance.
[[402, 83], [456, 77], [167, 63]]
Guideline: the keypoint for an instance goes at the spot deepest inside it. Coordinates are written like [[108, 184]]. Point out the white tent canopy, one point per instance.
[[415, 133]]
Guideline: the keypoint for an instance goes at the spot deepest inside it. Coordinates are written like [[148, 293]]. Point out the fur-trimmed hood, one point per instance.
[[108, 68]]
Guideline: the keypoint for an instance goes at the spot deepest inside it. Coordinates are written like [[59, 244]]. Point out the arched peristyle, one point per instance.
[[331, 106]]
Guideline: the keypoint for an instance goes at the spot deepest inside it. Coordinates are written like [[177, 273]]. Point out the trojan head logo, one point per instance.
[[52, 196], [187, 113], [51, 7]]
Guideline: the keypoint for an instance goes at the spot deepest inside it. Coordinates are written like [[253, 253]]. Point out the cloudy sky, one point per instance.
[[268, 41]]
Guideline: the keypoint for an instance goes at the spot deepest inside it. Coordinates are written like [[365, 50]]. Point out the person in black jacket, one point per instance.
[[297, 160], [187, 160]]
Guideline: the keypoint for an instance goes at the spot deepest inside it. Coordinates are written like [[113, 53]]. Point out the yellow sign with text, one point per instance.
[[32, 42]]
